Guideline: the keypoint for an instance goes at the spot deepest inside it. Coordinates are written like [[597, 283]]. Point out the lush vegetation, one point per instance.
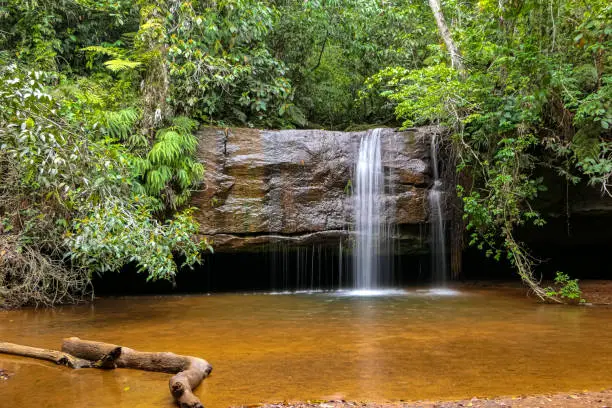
[[531, 90], [100, 100]]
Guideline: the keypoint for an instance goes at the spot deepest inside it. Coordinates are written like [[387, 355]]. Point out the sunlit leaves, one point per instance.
[[431, 94], [117, 65]]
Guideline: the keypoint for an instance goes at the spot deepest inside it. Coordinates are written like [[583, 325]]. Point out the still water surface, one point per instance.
[[267, 348]]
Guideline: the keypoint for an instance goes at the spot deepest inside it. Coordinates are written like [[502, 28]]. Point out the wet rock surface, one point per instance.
[[294, 186]]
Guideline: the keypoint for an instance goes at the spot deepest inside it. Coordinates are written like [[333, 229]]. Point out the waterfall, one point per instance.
[[436, 214], [372, 232]]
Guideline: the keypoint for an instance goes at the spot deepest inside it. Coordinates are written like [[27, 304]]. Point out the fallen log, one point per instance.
[[188, 371], [58, 357]]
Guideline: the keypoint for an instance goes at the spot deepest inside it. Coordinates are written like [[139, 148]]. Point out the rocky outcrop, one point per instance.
[[294, 186]]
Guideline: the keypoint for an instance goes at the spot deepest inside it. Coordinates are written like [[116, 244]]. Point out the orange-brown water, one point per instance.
[[297, 347]]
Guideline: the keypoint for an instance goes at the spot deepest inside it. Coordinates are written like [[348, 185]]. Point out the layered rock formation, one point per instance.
[[294, 186]]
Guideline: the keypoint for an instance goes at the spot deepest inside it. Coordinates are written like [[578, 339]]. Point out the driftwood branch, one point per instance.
[[76, 353], [190, 371], [58, 357]]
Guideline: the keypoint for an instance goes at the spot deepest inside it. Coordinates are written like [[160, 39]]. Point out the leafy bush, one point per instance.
[[566, 288], [69, 204], [170, 169], [116, 233], [531, 79]]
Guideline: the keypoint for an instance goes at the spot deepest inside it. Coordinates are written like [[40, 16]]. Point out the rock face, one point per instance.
[[294, 186]]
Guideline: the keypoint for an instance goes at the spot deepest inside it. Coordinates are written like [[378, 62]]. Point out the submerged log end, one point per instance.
[[183, 394], [72, 362], [183, 383]]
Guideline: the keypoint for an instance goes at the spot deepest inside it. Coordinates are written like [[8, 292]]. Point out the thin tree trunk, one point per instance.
[[457, 224], [446, 35], [155, 83]]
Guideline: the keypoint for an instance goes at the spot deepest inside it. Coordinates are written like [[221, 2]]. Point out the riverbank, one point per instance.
[[597, 292], [594, 292], [599, 399]]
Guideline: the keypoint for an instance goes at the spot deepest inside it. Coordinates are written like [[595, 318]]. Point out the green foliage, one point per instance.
[[118, 65], [169, 170], [245, 62], [121, 124], [566, 288], [68, 192], [46, 33], [331, 46], [532, 79], [219, 65], [431, 94], [117, 233], [119, 57]]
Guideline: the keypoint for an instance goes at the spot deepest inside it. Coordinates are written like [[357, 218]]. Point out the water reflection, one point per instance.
[[427, 344]]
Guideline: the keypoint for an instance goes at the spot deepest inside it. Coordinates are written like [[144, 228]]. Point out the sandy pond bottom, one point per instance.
[[265, 348]]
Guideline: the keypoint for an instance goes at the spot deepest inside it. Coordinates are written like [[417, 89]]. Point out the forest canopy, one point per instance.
[[100, 100]]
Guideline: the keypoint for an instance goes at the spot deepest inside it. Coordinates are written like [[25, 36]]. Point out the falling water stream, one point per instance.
[[436, 213], [371, 226]]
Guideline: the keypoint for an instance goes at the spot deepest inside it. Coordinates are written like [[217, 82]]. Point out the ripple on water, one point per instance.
[[370, 292]]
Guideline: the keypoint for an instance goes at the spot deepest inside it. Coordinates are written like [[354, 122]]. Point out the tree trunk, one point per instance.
[[155, 84], [446, 35], [457, 224], [76, 353], [457, 232], [190, 371], [456, 246]]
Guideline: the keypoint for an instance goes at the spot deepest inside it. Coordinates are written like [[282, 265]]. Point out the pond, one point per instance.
[[265, 348]]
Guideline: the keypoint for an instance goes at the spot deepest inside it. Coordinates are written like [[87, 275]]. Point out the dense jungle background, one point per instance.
[[100, 99]]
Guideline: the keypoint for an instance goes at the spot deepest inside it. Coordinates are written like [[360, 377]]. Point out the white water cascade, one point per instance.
[[371, 257], [436, 214]]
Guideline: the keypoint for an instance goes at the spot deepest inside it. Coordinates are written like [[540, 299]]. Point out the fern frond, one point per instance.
[[197, 173], [113, 52], [128, 38], [120, 123], [167, 149], [194, 169], [184, 124], [117, 65], [137, 140], [186, 142], [171, 169], [183, 179]]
